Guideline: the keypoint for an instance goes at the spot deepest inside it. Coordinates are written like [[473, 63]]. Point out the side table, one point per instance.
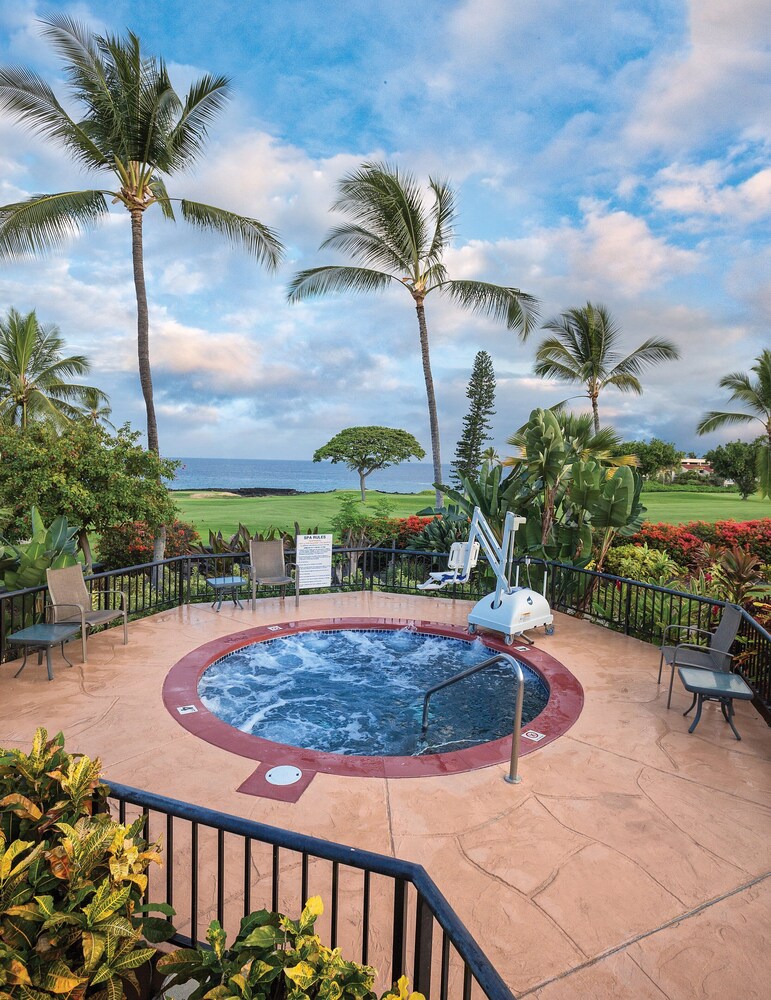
[[714, 685], [43, 637], [225, 585]]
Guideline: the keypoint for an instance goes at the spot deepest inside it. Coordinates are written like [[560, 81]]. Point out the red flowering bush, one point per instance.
[[131, 544], [683, 541], [406, 529]]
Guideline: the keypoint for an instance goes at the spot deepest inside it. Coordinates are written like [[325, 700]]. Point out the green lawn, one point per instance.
[[675, 508], [311, 510]]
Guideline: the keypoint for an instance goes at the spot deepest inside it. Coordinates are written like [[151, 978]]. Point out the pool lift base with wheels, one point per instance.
[[508, 610]]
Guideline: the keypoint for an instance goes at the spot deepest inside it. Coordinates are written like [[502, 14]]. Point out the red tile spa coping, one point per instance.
[[566, 699]]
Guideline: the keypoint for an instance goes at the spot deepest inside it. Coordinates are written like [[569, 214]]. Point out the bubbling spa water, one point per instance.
[[357, 691]]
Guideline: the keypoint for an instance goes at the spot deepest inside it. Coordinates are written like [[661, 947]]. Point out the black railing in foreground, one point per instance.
[[378, 910], [640, 610]]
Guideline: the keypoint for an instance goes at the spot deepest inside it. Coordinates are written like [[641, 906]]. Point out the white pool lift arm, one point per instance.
[[510, 610]]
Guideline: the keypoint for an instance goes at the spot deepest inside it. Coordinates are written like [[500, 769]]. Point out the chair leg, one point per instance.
[[695, 722], [84, 642], [671, 682], [661, 667], [125, 630], [729, 715], [690, 706], [254, 594]]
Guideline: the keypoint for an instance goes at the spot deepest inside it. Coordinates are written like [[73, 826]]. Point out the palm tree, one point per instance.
[[398, 238], [134, 126], [582, 442], [34, 374], [584, 349], [756, 396], [96, 407]]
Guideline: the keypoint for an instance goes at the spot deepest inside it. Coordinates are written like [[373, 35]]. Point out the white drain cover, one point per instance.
[[284, 774], [186, 709]]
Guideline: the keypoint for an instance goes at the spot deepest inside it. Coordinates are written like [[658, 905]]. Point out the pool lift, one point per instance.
[[509, 610]]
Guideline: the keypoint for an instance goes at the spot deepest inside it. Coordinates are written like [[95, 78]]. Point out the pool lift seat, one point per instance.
[[458, 570]]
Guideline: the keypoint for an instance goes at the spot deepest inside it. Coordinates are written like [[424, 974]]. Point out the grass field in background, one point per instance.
[[222, 512]]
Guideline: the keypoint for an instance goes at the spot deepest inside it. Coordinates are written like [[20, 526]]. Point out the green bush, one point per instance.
[[639, 562], [273, 958], [72, 921]]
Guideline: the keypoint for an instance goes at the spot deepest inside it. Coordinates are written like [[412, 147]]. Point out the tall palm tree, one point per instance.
[[134, 126], [394, 237], [34, 374], [96, 407], [585, 349], [756, 396]]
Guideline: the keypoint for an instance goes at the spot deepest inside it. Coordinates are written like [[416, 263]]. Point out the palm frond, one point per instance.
[[648, 353], [514, 307], [368, 247], [320, 280], [714, 420], [623, 381], [443, 215], [161, 195], [250, 234], [205, 98], [46, 221]]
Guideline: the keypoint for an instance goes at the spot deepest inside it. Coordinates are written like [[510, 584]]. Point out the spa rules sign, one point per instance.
[[314, 561]]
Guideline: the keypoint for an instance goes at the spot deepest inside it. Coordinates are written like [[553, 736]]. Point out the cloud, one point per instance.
[[700, 190]]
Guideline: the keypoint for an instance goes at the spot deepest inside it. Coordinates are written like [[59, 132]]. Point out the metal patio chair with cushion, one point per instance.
[[70, 601], [716, 655], [267, 567]]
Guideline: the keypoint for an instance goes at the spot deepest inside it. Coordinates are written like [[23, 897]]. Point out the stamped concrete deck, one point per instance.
[[631, 862]]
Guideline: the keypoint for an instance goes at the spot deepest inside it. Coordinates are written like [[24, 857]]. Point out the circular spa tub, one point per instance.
[[345, 696]]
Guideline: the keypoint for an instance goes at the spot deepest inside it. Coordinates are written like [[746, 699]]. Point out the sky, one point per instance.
[[612, 151]]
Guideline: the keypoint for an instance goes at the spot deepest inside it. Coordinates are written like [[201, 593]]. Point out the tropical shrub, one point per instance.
[[639, 562], [131, 544], [271, 958], [440, 533], [683, 541], [24, 564], [71, 881]]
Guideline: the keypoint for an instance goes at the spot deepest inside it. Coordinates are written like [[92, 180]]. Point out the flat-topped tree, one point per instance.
[[132, 124], [401, 237], [367, 449]]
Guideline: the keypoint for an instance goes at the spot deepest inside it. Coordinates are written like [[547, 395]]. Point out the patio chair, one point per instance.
[[716, 655], [267, 568], [70, 601]]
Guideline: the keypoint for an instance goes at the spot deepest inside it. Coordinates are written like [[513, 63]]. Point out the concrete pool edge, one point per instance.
[[180, 688]]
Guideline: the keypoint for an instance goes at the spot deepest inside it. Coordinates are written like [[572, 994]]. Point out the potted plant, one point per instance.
[[71, 882]]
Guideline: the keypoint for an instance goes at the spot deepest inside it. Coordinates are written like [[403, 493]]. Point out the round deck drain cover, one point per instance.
[[284, 774]]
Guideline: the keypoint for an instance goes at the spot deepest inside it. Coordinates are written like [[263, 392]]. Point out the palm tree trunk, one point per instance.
[[143, 351], [595, 412], [433, 418], [143, 328]]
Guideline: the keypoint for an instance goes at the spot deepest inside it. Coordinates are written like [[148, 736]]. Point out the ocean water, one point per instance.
[[307, 477]]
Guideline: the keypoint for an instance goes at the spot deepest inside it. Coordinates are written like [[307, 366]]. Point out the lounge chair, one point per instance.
[[70, 601], [267, 567], [716, 655]]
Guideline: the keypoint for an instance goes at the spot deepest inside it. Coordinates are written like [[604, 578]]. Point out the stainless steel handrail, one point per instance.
[[512, 777]]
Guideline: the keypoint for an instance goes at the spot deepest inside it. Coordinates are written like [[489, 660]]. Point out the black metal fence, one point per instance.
[[640, 610], [379, 910]]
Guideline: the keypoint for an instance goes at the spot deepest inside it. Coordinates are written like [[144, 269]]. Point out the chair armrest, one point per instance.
[[701, 649], [683, 628], [123, 597], [75, 607]]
